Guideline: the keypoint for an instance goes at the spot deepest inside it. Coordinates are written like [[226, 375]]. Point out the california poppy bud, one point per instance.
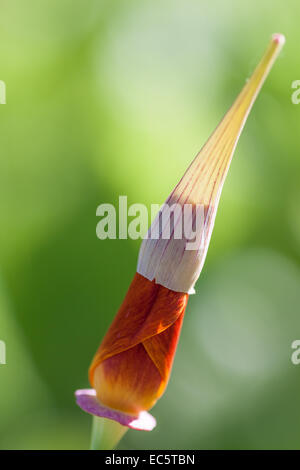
[[132, 366]]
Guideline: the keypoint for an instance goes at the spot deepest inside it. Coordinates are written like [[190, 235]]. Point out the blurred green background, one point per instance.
[[106, 98]]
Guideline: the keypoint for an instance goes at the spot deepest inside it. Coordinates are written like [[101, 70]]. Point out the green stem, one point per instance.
[[106, 433]]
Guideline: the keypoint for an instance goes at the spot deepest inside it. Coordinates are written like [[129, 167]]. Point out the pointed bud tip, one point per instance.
[[278, 38]]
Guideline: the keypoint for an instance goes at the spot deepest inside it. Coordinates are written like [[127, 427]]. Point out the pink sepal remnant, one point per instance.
[[86, 399]]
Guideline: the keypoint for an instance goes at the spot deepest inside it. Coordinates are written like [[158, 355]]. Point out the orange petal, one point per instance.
[[161, 348], [128, 381], [148, 309], [131, 368]]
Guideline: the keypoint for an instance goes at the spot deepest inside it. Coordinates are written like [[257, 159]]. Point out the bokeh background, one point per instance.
[[109, 98]]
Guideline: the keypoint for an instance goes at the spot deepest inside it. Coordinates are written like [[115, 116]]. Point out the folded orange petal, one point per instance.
[[128, 381], [132, 365]]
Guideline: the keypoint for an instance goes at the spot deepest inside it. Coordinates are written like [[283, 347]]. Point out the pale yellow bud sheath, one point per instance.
[[167, 260]]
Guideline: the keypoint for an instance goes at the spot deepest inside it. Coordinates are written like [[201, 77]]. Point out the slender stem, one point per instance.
[[106, 433]]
